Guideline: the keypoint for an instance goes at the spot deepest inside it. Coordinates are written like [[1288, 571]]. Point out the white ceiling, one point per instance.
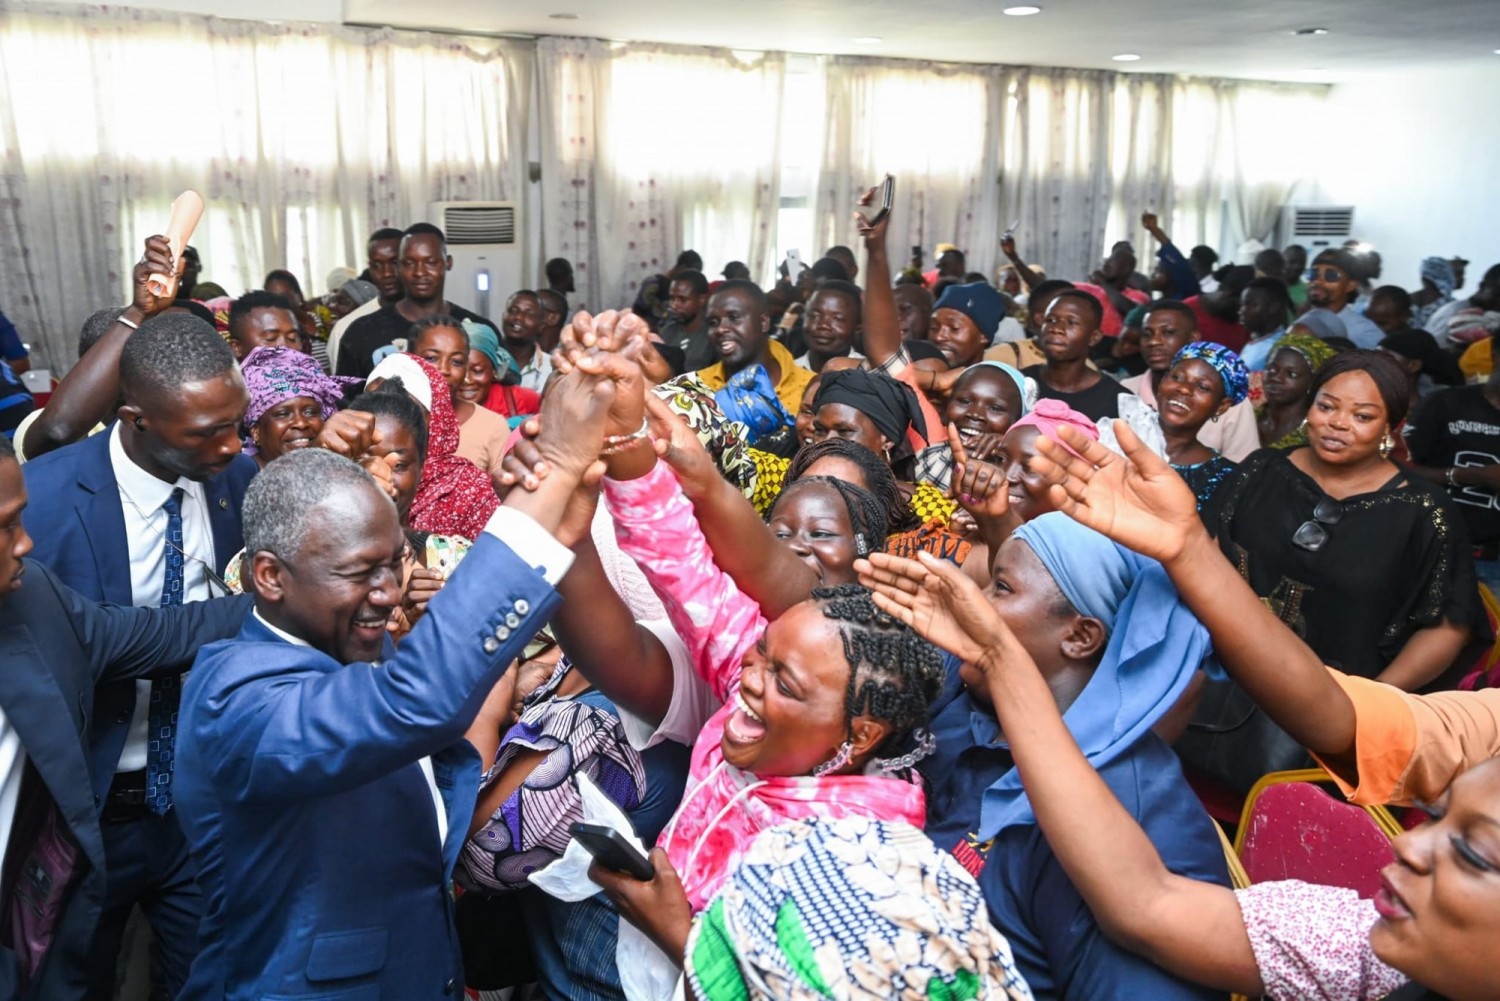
[[1237, 38]]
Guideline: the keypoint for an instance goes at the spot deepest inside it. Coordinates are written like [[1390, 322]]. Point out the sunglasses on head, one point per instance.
[[1312, 534], [1327, 274]]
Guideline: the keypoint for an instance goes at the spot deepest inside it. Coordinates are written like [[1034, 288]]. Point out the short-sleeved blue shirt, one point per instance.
[[1058, 946]]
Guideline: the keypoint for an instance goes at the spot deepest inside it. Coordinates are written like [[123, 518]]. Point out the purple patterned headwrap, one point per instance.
[[273, 375]]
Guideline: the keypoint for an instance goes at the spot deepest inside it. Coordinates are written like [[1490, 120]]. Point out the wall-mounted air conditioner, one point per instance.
[[484, 239], [1316, 227]]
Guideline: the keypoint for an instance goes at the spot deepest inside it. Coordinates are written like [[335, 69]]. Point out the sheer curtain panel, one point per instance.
[[648, 150], [301, 138]]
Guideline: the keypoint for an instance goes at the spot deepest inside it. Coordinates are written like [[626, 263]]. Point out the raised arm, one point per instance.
[[88, 393], [1184, 281], [742, 543], [1028, 276], [1140, 502], [623, 660], [1192, 929], [288, 728], [882, 324]]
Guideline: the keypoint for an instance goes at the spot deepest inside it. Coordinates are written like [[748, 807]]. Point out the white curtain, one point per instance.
[[301, 138], [1075, 156], [939, 129], [648, 150]]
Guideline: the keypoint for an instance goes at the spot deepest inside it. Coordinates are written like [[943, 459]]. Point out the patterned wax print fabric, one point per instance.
[[849, 909], [532, 827]]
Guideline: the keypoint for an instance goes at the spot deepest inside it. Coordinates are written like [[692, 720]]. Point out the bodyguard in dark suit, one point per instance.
[[324, 781], [147, 514], [56, 646]]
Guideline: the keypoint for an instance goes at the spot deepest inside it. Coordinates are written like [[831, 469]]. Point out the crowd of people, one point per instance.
[[914, 624]]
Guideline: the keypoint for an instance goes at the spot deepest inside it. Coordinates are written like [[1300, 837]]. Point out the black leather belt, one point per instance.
[[127, 797]]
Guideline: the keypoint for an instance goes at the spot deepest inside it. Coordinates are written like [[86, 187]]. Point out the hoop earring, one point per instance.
[[1386, 444], [840, 759]]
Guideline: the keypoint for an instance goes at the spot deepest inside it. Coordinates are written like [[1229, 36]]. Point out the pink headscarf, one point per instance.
[[1049, 415]]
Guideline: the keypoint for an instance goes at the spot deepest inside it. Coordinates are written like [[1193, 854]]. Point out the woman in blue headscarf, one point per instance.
[[1117, 649]]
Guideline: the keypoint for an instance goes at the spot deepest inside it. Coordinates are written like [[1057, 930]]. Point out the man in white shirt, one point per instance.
[[522, 330], [147, 514], [311, 749], [385, 273]]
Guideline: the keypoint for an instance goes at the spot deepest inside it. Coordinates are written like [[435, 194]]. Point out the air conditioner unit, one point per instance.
[[484, 239], [1315, 227]]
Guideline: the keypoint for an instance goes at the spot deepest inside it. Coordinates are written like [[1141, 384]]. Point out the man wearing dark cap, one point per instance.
[[1332, 284], [964, 321]]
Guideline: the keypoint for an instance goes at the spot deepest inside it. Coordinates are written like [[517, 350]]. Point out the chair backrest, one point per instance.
[[1294, 830], [1238, 877]]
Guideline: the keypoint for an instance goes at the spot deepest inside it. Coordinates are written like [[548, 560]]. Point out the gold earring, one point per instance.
[[1386, 444]]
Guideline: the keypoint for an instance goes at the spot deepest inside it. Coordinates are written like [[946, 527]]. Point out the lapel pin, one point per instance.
[[223, 504]]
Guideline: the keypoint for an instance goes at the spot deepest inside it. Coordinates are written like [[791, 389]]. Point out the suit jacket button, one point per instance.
[[502, 634], [513, 620], [449, 987], [491, 644], [522, 606]]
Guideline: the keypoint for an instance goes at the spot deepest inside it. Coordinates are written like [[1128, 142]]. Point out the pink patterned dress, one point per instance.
[[1312, 942], [724, 808]]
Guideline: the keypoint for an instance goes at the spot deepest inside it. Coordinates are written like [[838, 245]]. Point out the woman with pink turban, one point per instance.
[[1004, 494]]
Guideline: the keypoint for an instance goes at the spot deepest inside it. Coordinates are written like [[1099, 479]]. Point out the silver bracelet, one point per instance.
[[616, 443], [129, 323], [1452, 482]]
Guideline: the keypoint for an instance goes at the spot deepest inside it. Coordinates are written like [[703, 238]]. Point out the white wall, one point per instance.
[[1418, 157]]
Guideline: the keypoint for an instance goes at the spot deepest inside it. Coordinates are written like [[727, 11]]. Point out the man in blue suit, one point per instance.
[[324, 781], [147, 514], [56, 646]]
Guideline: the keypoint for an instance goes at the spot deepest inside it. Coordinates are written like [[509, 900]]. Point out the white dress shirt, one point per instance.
[[141, 498], [535, 373], [12, 767], [529, 541]]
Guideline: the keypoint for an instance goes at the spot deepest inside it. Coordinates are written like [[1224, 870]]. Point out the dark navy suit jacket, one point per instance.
[[313, 829], [75, 518], [55, 646]]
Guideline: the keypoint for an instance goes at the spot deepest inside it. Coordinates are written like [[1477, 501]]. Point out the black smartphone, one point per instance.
[[611, 850], [887, 192]]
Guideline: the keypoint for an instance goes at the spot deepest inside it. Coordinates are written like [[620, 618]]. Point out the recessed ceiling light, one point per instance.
[[563, 17], [1311, 31], [868, 40], [1126, 57], [1024, 11], [1497, 52]]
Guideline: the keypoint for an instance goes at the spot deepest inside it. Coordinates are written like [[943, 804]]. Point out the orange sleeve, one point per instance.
[[1410, 747], [1385, 735]]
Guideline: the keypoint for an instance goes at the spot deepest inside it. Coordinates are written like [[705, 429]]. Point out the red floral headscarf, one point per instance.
[[454, 497]]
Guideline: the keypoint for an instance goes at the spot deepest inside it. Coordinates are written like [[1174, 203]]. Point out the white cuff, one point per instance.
[[531, 542]]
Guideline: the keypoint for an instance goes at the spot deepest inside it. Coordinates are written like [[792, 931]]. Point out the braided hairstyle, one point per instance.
[[894, 674], [867, 516], [879, 480]]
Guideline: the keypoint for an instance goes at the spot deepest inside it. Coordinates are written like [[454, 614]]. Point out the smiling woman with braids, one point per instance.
[[807, 716]]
